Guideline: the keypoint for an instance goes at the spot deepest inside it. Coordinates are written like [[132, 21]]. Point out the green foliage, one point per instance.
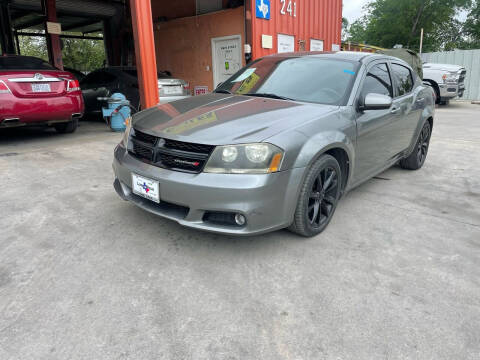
[[33, 46], [391, 22], [472, 26], [83, 55], [344, 28], [80, 54]]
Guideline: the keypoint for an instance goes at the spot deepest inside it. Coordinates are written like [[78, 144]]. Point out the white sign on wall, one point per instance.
[[335, 47], [54, 28], [267, 41], [316, 45], [286, 43]]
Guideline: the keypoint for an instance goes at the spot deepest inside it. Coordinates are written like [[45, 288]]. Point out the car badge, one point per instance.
[[161, 142], [38, 76]]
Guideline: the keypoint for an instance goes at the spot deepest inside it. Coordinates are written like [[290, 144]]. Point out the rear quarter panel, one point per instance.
[[427, 111]]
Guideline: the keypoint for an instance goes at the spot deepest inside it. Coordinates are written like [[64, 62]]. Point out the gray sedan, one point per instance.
[[277, 144]]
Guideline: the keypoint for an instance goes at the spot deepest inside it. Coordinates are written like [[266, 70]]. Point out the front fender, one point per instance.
[[320, 144]]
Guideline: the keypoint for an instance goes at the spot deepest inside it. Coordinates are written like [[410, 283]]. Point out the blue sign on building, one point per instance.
[[262, 9]]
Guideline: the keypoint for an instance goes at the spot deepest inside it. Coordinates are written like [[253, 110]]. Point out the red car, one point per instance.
[[32, 92]]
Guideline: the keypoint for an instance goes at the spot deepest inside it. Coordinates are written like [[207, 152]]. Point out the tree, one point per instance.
[[391, 22], [33, 46], [472, 26], [80, 54], [344, 28]]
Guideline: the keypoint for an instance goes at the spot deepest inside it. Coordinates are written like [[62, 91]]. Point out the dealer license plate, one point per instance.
[[145, 187], [41, 88], [172, 90]]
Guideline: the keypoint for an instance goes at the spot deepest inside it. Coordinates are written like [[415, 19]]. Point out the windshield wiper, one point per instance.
[[269, 95], [222, 91]]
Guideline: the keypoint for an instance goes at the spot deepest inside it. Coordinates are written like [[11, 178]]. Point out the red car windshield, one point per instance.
[[23, 63]]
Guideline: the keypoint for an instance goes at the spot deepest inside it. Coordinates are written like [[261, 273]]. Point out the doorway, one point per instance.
[[226, 57]]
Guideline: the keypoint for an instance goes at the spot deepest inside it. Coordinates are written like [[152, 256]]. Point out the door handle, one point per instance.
[[394, 110]]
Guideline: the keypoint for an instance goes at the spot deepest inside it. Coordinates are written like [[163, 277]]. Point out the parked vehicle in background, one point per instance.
[[277, 144], [107, 81], [448, 81], [32, 92], [77, 73]]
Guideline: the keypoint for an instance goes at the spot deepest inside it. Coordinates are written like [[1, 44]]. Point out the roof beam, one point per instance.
[[31, 23], [80, 24], [23, 33]]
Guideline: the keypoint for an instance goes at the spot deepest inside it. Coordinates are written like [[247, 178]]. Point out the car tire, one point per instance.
[[316, 204], [67, 128], [417, 158]]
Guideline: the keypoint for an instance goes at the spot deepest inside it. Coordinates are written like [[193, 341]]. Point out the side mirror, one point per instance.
[[374, 101]]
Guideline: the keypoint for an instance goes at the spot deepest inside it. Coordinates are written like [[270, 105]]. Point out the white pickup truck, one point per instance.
[[448, 81]]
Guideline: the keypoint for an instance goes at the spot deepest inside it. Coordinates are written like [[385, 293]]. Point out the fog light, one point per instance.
[[240, 219]]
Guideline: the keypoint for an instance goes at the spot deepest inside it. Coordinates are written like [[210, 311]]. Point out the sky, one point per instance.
[[352, 9]]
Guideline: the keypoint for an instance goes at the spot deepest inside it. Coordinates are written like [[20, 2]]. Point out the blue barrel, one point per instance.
[[117, 111]]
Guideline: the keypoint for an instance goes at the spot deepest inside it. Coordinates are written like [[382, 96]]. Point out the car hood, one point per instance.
[[218, 119], [442, 67]]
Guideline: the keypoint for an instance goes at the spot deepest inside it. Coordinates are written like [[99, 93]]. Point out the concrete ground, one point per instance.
[[84, 275]]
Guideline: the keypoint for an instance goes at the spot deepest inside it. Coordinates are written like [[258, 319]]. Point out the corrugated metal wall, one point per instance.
[[470, 59], [315, 19]]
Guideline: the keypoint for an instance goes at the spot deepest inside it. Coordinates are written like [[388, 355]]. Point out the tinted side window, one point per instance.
[[378, 81], [404, 80]]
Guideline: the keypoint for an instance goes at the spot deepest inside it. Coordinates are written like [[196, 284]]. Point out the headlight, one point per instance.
[[126, 134], [451, 77], [260, 158]]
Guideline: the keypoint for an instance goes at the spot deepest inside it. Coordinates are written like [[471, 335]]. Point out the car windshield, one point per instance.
[[23, 63], [308, 79]]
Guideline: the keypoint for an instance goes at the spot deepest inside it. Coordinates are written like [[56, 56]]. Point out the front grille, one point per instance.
[[143, 151], [149, 139], [196, 148], [163, 208], [170, 154]]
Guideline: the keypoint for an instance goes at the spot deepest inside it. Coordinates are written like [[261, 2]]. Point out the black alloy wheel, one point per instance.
[[422, 146], [322, 198], [419, 154], [318, 197]]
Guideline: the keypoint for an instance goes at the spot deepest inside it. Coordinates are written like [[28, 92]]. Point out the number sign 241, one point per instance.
[[288, 7]]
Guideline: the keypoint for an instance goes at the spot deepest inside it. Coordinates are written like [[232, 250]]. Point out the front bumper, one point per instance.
[[267, 201], [450, 91]]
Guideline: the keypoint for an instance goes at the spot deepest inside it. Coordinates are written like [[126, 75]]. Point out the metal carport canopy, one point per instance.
[[95, 10]]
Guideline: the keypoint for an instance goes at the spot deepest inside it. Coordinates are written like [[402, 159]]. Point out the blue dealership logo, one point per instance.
[[263, 9]]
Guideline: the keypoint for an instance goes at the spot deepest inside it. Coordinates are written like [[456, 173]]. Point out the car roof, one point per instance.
[[362, 57]]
